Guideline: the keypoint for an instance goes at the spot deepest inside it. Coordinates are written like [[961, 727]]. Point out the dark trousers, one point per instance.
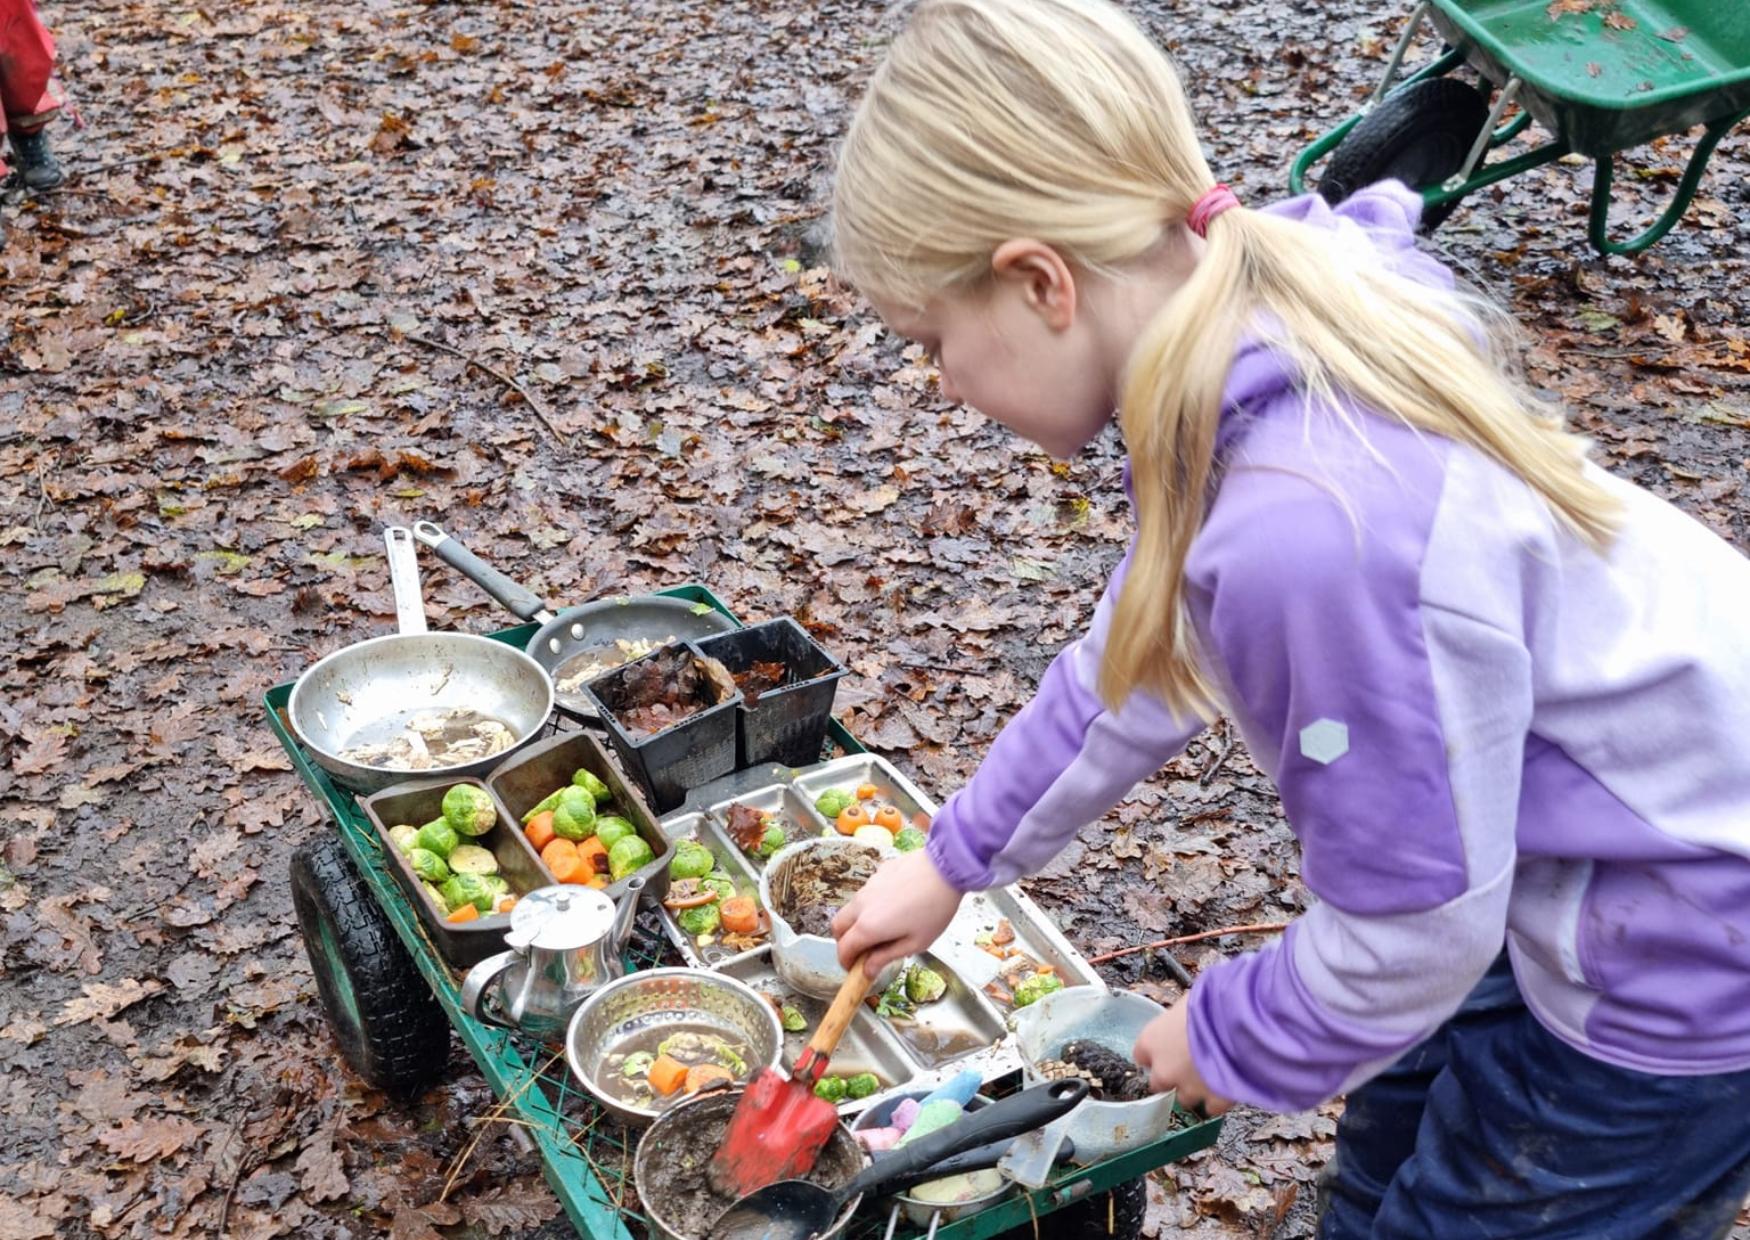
[[1493, 1129]]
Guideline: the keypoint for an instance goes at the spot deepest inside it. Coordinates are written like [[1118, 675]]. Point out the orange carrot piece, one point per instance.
[[666, 1075], [561, 859], [594, 854], [854, 816], [866, 792], [701, 1075], [540, 829], [739, 914], [466, 913]]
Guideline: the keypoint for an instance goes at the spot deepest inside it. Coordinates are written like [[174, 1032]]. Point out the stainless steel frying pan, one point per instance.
[[577, 638]]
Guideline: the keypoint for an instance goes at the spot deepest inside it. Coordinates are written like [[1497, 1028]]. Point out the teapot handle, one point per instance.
[[480, 979]]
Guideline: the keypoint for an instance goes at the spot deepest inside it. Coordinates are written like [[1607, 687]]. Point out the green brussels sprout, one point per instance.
[[574, 819], [833, 802], [696, 921], [909, 839], [550, 801], [691, 860], [719, 882], [1036, 988], [438, 837], [404, 836], [468, 810], [769, 843], [832, 1088], [924, 985], [472, 859], [475, 889], [591, 783], [428, 865], [629, 854], [792, 1020], [637, 1065], [610, 829], [862, 1085]]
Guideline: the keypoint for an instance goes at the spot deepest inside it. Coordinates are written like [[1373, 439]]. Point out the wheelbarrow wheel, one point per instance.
[[1418, 134], [390, 1027], [1116, 1214]]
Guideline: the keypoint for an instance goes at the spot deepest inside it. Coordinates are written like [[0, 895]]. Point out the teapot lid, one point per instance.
[[560, 918]]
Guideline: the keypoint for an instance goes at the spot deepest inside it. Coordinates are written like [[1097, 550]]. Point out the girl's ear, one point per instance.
[[1041, 276]]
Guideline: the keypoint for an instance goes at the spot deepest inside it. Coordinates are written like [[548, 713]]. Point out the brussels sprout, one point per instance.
[[909, 839], [628, 854], [719, 882], [832, 1088], [550, 801], [924, 985], [475, 889], [428, 865], [404, 836], [574, 819], [691, 860], [473, 859], [1036, 988], [468, 810], [792, 1020], [862, 1085], [610, 829], [769, 843], [592, 784], [875, 837], [438, 837], [696, 921], [637, 1064], [833, 802], [499, 884]]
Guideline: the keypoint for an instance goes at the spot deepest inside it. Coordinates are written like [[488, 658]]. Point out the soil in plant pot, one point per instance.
[[661, 691]]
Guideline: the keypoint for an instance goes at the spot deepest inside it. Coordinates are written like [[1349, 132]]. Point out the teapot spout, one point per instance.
[[627, 913]]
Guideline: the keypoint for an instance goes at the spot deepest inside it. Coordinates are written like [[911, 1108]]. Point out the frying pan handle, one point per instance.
[[404, 577], [518, 600], [1008, 1117]]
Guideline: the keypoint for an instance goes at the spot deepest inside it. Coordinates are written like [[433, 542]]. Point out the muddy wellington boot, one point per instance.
[[35, 162]]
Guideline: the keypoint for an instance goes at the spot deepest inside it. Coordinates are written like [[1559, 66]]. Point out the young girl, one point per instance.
[[1505, 697]]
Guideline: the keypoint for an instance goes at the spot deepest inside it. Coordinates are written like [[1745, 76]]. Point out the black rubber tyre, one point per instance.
[[1116, 1214], [1418, 134], [390, 1027]]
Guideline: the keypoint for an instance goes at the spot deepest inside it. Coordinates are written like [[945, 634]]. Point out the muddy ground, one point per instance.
[[548, 274]]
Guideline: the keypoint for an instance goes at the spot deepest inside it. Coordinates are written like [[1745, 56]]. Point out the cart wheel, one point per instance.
[[1419, 134], [390, 1027], [1116, 1214]]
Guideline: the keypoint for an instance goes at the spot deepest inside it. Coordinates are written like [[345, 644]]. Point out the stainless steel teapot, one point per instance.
[[564, 941]]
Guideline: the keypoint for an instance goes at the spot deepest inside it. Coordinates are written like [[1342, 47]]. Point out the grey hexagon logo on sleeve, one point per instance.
[[1324, 740]]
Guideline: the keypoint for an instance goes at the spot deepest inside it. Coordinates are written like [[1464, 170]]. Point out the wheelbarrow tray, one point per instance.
[[1615, 73]]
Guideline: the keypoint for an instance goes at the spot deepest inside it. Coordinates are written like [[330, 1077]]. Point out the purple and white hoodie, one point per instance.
[[1481, 730]]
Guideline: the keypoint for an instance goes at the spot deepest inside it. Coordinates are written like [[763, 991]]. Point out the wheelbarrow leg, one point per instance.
[[1599, 222]]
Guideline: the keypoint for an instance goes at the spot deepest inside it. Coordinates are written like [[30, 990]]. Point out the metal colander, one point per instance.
[[625, 1011]]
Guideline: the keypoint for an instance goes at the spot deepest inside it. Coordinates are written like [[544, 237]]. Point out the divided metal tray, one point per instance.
[[968, 1027]]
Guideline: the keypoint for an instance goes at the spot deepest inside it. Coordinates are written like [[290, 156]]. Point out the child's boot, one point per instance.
[[36, 165]]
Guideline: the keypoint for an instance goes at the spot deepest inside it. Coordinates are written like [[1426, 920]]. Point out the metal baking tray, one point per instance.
[[968, 1027]]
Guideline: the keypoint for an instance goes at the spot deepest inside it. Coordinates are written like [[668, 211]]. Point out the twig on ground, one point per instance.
[[1227, 747], [503, 378], [1263, 927]]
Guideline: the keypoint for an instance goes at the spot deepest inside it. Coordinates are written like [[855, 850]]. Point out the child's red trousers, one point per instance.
[[27, 59]]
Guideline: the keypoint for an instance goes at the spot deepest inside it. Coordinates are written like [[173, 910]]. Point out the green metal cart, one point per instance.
[[1599, 76], [391, 999]]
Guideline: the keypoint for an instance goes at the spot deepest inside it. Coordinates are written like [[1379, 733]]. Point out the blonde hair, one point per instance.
[[1059, 120]]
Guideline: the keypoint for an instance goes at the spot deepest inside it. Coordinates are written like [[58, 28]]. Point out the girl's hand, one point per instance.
[[1164, 1050], [899, 912]]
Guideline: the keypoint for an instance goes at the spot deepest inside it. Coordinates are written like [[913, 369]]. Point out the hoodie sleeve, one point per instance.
[[1057, 766]]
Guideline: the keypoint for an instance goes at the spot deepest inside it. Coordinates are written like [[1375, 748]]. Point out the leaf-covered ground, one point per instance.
[[548, 274]]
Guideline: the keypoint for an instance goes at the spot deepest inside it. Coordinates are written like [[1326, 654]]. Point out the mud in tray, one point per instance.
[[997, 940]]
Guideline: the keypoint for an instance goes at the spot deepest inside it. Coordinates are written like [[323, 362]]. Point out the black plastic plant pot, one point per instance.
[[695, 749], [783, 717]]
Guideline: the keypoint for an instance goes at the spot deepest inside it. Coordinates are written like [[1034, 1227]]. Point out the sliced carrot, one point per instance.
[[540, 829], [466, 913], [504, 904], [666, 1075], [866, 792], [594, 854], [739, 915], [889, 816], [854, 816], [561, 858], [701, 1075]]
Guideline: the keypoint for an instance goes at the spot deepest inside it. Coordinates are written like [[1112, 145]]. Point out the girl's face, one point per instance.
[[1020, 350]]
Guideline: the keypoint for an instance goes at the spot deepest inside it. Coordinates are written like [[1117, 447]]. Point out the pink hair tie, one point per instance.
[[1211, 203]]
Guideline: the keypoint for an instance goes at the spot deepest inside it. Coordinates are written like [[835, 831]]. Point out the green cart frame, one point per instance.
[[1600, 76], [585, 1156]]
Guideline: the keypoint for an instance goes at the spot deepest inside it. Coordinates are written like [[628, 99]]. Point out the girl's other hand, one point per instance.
[[899, 912], [1164, 1050]]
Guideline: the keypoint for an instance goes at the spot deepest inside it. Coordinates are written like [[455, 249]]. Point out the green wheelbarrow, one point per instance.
[[1599, 76]]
